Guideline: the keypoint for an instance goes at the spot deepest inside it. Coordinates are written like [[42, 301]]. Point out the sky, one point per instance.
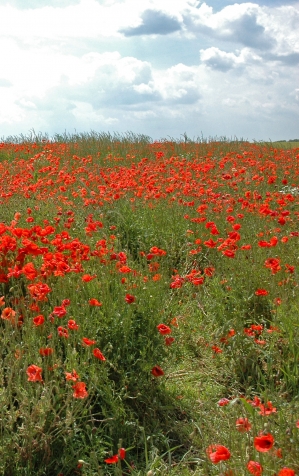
[[163, 68]]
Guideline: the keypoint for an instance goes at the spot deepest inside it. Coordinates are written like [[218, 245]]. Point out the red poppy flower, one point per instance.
[[267, 409], [263, 443], [59, 311], [255, 468], [273, 264], [157, 371], [216, 349], [122, 453], [261, 292], [163, 329], [34, 373], [223, 402], [8, 314], [80, 390], [169, 340], [87, 341], [218, 453], [98, 354], [209, 271], [243, 425], [72, 325], [62, 332], [129, 298], [286, 472], [277, 453], [38, 320], [112, 460], [72, 375], [45, 351], [229, 253], [94, 302], [87, 277]]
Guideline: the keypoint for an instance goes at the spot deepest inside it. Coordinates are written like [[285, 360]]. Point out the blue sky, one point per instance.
[[156, 67]]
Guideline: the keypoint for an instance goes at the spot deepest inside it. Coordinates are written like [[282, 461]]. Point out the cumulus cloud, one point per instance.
[[248, 24], [238, 23], [32, 4], [223, 61], [73, 64], [5, 83], [153, 23], [179, 84], [113, 82], [248, 31], [291, 59]]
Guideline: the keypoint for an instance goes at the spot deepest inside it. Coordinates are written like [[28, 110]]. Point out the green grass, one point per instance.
[[138, 217]]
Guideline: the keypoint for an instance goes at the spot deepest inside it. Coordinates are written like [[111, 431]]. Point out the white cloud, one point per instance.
[[220, 60], [69, 66]]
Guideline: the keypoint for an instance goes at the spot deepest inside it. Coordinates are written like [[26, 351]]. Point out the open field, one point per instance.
[[285, 144], [149, 307]]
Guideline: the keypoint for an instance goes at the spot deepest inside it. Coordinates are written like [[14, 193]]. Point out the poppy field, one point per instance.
[[149, 306]]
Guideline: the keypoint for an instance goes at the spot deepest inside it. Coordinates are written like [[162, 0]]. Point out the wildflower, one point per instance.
[[256, 402], [72, 325], [38, 320], [62, 332], [255, 468], [29, 271], [94, 302], [112, 460], [267, 409], [87, 277], [2, 301], [209, 271], [80, 390], [263, 443], [169, 340], [261, 292], [286, 472], [218, 453], [163, 329], [34, 373], [228, 253], [38, 291], [129, 298], [157, 371], [87, 341], [277, 453], [223, 402], [273, 264], [8, 314], [46, 351], [216, 349], [59, 311], [98, 354], [72, 375], [243, 425], [122, 453], [260, 341]]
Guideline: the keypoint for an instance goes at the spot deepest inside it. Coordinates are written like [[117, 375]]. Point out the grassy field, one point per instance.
[[149, 306]]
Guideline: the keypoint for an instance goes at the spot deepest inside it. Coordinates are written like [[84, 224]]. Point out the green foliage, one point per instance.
[[140, 248]]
